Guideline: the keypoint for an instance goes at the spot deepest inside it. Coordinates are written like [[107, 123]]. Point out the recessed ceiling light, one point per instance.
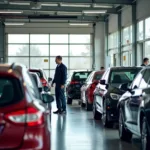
[[49, 4], [74, 5], [10, 12], [79, 24], [102, 6], [13, 24], [19, 3], [94, 11]]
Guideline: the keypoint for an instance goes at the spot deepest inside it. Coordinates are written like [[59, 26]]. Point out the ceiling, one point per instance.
[[71, 11]]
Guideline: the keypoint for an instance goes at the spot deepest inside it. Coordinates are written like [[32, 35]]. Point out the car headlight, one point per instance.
[[115, 96]]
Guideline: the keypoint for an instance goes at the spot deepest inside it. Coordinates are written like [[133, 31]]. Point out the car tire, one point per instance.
[[124, 134], [96, 114], [145, 137], [105, 120], [69, 101]]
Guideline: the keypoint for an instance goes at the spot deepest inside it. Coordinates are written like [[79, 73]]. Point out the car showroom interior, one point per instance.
[[74, 75]]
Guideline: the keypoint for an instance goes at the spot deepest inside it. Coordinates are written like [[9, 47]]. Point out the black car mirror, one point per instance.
[[47, 98], [40, 89], [49, 79], [103, 82], [46, 89], [124, 86]]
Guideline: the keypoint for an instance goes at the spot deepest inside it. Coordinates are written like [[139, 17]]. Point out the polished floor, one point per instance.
[[78, 131]]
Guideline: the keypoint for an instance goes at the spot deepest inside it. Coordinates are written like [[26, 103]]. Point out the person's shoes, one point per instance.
[[64, 112], [57, 112]]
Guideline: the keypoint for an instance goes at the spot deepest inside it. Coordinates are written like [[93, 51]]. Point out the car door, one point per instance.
[[136, 97], [128, 103], [102, 90]]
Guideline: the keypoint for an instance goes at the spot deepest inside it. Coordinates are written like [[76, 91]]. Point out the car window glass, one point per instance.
[[89, 77], [123, 76], [10, 91], [98, 76], [137, 80], [80, 76], [145, 79], [31, 86]]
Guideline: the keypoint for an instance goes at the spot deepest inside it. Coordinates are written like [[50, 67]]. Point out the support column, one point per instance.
[[93, 42], [106, 45], [2, 43], [99, 45], [134, 35], [120, 38]]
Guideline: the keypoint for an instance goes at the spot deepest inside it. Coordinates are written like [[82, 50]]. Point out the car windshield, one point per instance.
[[80, 76], [123, 75], [11, 86], [38, 72], [98, 76]]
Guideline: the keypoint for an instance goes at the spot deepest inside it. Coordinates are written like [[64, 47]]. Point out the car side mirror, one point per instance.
[[46, 89], [49, 79], [47, 98], [124, 86], [103, 82], [40, 89]]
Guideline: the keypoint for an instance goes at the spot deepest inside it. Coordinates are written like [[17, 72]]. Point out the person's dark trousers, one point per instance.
[[60, 98]]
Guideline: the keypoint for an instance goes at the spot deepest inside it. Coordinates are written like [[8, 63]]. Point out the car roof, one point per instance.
[[83, 71], [116, 68]]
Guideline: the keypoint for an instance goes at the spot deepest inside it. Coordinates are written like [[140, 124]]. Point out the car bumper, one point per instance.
[[36, 138]]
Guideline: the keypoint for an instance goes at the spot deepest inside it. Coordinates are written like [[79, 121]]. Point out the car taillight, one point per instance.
[[74, 82], [30, 116]]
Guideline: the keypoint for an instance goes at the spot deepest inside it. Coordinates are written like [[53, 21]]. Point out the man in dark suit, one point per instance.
[[145, 62], [60, 81]]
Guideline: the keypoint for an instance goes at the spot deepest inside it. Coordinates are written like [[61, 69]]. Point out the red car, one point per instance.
[[43, 78], [24, 123], [88, 88]]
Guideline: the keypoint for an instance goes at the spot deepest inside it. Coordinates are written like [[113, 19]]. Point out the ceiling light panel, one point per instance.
[[69, 13], [13, 24], [79, 24], [102, 6], [10, 12], [19, 3], [94, 11], [49, 4], [74, 5]]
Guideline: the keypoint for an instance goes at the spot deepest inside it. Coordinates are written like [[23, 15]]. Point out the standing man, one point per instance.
[[60, 81], [145, 62]]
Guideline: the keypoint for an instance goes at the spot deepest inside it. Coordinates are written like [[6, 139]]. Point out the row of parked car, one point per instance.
[[118, 95], [25, 108]]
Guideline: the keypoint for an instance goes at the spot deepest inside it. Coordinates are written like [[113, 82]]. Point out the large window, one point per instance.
[[127, 35], [147, 28], [140, 33], [40, 50]]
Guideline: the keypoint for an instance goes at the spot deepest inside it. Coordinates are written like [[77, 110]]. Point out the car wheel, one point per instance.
[[96, 114], [105, 120], [124, 134], [145, 138], [69, 101]]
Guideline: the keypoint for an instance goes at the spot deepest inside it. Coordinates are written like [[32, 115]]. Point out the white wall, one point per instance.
[[113, 23], [99, 45], [45, 28], [143, 9]]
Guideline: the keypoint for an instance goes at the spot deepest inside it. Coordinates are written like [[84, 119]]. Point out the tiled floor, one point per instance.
[[78, 131]]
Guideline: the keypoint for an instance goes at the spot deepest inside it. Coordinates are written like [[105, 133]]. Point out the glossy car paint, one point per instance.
[[22, 136], [102, 94], [88, 88], [135, 105]]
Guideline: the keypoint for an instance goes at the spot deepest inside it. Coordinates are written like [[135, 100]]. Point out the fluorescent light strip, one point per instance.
[[10, 12], [94, 11], [101, 6], [79, 24], [13, 24], [19, 3], [74, 5], [49, 4], [69, 13]]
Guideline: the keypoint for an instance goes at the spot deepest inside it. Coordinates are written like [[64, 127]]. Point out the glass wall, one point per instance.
[[40, 50], [113, 49]]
